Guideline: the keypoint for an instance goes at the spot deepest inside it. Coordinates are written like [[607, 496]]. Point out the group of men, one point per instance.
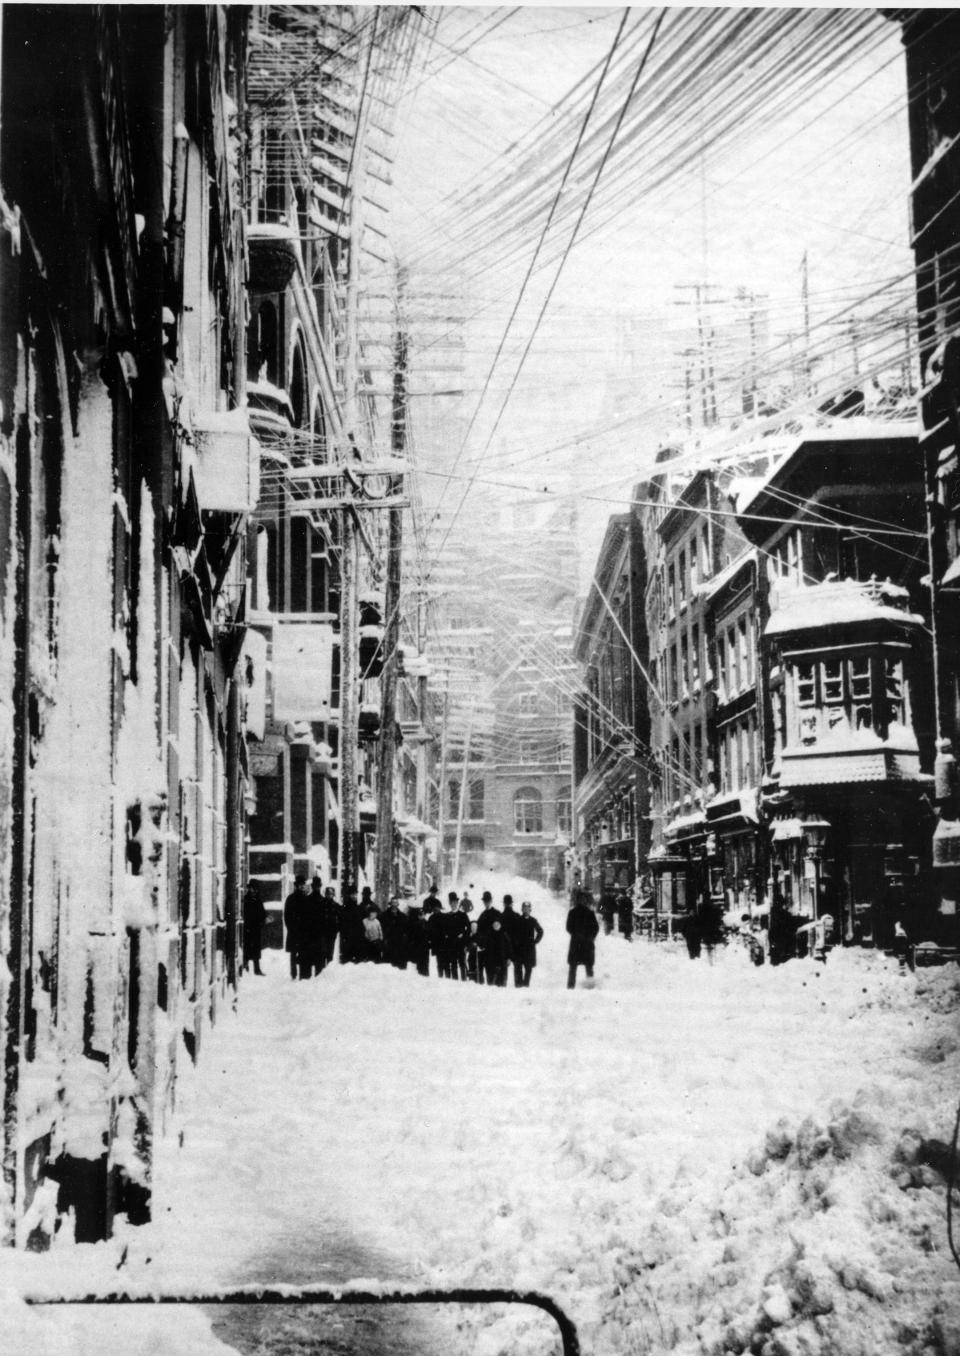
[[311, 923], [482, 950]]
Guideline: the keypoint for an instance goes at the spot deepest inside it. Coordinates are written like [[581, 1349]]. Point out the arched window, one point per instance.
[[528, 810], [298, 388]]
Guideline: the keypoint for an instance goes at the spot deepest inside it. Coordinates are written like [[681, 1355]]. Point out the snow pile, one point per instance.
[[690, 1158]]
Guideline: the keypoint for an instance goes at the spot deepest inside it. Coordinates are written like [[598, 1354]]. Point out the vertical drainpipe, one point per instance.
[[233, 805]]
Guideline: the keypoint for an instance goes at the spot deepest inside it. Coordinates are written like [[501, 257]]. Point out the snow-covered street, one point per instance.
[[690, 1157]]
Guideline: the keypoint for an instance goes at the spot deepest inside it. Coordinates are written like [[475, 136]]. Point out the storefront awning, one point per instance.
[[732, 811], [686, 826], [786, 830]]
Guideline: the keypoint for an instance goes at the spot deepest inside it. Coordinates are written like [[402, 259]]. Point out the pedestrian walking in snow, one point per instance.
[[529, 934], [254, 917], [625, 914], [608, 909], [583, 927], [293, 920]]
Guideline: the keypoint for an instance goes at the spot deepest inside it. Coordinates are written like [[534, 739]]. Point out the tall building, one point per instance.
[[611, 735], [322, 405], [504, 643], [930, 37], [127, 475], [690, 536], [846, 694]]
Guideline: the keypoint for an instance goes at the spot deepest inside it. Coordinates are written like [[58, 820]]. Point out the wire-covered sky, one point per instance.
[[761, 156]]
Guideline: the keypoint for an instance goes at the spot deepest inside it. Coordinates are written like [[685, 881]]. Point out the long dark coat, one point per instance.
[[485, 924], [529, 933], [254, 917], [583, 927], [294, 907]]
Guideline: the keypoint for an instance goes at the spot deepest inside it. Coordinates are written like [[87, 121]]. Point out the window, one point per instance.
[[705, 570], [861, 692], [564, 818], [528, 750], [684, 666], [722, 675], [806, 685], [475, 800], [744, 652], [672, 689], [528, 703], [528, 810], [733, 671], [682, 577], [747, 754], [671, 591], [832, 676], [695, 657], [893, 679]]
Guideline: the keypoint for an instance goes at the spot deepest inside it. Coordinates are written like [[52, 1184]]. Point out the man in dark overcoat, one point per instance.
[[294, 907], [529, 933], [497, 954], [583, 927], [458, 928], [488, 916], [394, 925], [330, 923], [511, 926], [254, 917]]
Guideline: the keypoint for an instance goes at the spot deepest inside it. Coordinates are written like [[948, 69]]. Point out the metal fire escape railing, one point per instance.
[[288, 1296]]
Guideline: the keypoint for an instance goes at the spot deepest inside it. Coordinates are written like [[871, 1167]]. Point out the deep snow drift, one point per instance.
[[690, 1158]]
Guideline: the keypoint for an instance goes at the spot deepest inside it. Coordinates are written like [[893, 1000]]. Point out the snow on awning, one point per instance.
[[786, 830], [841, 602], [686, 824]]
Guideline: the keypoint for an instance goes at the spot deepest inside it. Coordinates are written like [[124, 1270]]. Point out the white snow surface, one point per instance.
[[690, 1157]]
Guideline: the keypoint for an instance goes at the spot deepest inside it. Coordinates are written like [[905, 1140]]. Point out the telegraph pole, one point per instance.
[[462, 806], [349, 564], [383, 871], [442, 783], [349, 704]]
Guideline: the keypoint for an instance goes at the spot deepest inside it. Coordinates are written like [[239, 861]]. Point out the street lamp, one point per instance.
[[815, 832]]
